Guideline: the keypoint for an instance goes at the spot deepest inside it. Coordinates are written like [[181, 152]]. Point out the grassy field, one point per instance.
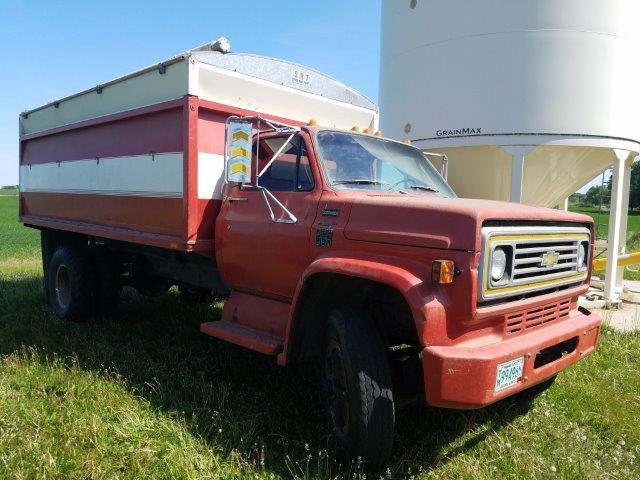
[[602, 219], [15, 240], [144, 395]]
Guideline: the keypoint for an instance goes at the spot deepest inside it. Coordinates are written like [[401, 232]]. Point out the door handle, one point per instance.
[[236, 199]]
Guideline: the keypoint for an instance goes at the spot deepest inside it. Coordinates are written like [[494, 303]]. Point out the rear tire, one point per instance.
[[358, 393], [107, 280], [71, 283], [46, 246]]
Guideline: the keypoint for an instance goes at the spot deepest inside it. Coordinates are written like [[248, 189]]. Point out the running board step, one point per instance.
[[244, 336]]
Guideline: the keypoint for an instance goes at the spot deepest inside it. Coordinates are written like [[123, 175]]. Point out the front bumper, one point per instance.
[[465, 377]]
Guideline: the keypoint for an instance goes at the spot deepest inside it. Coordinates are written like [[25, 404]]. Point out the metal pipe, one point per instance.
[[623, 261]]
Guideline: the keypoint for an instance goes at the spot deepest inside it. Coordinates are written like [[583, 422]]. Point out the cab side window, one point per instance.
[[290, 171]]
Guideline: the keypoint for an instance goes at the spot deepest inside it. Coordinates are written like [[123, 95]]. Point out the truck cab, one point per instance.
[[380, 269]]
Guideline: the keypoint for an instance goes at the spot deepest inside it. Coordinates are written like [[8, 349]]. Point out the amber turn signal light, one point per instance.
[[442, 271]]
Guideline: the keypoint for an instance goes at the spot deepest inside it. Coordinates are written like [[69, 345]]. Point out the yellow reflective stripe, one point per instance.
[[538, 236], [526, 286], [240, 135], [239, 168], [239, 152]]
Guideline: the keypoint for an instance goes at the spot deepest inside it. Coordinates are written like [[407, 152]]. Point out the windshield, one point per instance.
[[364, 162]]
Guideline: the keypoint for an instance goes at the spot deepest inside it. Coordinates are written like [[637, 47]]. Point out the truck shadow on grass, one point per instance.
[[231, 398]]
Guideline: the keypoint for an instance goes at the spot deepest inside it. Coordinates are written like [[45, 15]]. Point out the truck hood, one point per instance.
[[432, 221]]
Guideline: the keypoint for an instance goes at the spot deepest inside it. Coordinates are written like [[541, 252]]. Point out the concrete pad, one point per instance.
[[624, 318]]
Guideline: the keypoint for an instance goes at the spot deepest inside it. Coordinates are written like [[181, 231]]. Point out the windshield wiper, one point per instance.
[[359, 181], [366, 181], [425, 188]]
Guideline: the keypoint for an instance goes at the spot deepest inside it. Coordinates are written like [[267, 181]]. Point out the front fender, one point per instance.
[[412, 279]]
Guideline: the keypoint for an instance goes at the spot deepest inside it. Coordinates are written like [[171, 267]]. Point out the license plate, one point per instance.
[[509, 373]]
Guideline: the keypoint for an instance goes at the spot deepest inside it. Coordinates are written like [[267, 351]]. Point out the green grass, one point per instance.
[[602, 219], [145, 395], [15, 240]]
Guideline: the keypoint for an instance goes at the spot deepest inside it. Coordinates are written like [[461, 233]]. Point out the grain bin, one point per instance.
[[529, 99]]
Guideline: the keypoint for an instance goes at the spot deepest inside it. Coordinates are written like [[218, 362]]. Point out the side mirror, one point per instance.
[[237, 156], [237, 159]]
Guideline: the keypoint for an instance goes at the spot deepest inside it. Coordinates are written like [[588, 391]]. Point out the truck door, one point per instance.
[[255, 253]]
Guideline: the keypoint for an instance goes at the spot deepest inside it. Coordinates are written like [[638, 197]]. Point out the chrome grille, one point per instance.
[[538, 259], [528, 260]]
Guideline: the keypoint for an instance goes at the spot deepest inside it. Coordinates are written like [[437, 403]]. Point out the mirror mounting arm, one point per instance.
[[266, 194]]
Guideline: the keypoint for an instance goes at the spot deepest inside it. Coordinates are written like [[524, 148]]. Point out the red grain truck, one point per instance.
[[327, 243]]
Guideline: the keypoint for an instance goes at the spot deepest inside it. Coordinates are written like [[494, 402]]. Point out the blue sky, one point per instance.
[[51, 49]]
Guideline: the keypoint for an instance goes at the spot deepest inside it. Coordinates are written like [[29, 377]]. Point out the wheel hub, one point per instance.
[[62, 286]]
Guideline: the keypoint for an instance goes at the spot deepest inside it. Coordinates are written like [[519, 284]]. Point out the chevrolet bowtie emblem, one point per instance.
[[549, 259]]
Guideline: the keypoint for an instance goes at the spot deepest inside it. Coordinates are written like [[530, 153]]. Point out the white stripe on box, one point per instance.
[[157, 175], [139, 175], [210, 175]]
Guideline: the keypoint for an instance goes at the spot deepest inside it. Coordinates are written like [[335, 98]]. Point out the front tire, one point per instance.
[[71, 283], [357, 389]]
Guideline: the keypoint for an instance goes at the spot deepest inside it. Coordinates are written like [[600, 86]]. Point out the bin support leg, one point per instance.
[[625, 217], [616, 214], [518, 154]]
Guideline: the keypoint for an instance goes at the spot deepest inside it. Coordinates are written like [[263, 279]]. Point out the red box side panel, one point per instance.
[[110, 203], [122, 212], [211, 126], [116, 178], [155, 132], [211, 131]]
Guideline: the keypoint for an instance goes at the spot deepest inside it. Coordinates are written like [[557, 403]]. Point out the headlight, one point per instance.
[[582, 256], [498, 264]]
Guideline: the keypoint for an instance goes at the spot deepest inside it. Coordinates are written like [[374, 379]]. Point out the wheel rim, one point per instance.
[[63, 287], [336, 389]]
